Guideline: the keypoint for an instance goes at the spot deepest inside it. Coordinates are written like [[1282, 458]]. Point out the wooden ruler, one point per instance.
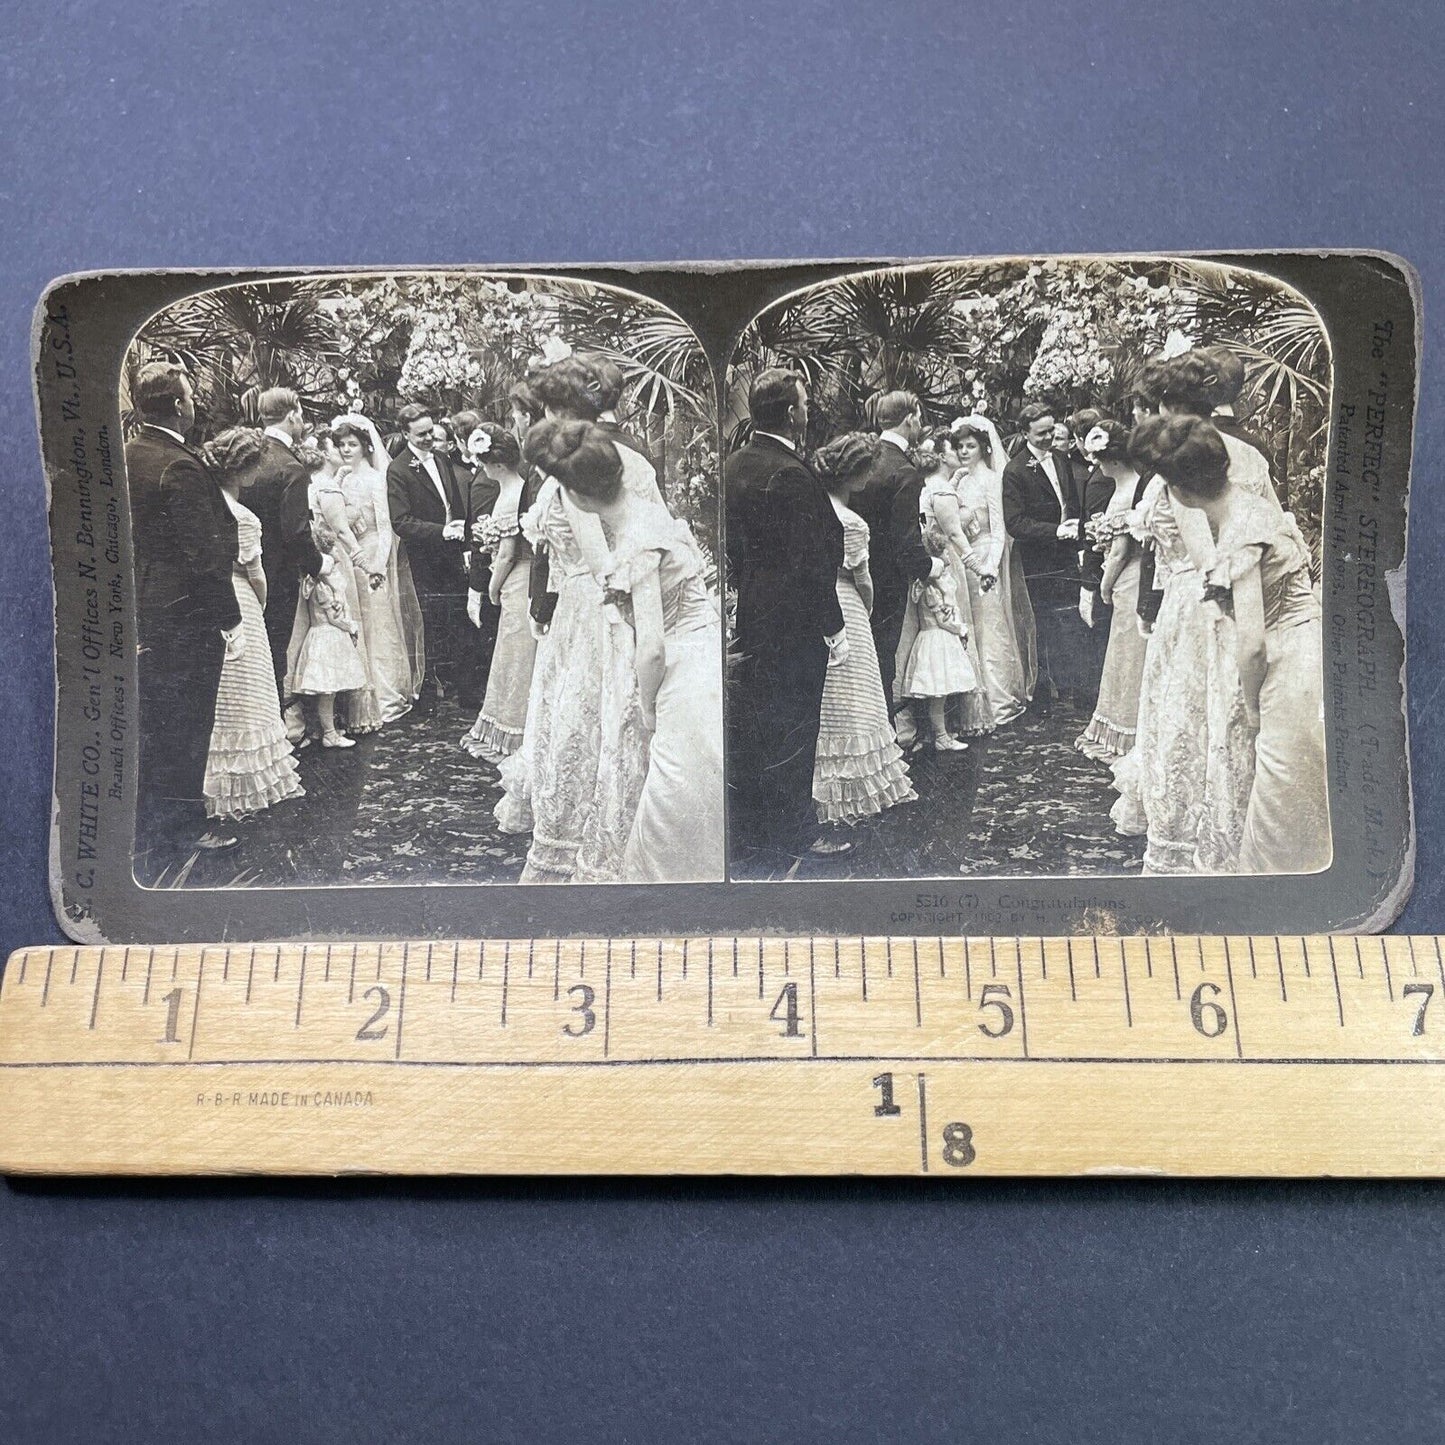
[[1170, 1055]]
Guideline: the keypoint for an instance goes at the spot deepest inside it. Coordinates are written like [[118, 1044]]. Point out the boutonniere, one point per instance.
[[415, 462]]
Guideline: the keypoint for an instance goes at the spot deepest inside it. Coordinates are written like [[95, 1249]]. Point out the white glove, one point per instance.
[[1068, 530], [454, 531], [1086, 606], [474, 608]]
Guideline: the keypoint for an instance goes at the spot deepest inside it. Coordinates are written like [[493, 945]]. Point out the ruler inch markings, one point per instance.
[[606, 1002], [1023, 1007], [1339, 997], [95, 997], [1233, 1004], [506, 975], [923, 1119], [196, 1009], [1124, 974], [917, 990], [812, 1004], [401, 998], [1288, 1033]]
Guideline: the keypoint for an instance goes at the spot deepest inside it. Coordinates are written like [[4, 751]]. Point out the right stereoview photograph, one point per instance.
[[1023, 564]]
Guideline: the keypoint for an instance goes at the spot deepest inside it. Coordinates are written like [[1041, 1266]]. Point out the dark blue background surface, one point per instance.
[[279, 134]]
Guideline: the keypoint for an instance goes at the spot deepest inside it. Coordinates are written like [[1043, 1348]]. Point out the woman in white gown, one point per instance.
[[1111, 729], [502, 563], [654, 585], [385, 594], [1271, 620], [1185, 784], [250, 765], [1003, 616], [576, 780]]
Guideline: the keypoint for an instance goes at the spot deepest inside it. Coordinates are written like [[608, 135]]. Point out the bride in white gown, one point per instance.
[[1003, 616], [390, 613]]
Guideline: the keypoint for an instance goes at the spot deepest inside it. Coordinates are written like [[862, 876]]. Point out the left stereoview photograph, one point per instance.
[[425, 585]]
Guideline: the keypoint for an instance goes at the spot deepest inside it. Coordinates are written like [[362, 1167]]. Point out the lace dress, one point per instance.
[[250, 765], [677, 831], [859, 769], [575, 781], [497, 732], [1186, 782], [328, 650], [1287, 826], [1111, 730], [1005, 646], [381, 612], [937, 501]]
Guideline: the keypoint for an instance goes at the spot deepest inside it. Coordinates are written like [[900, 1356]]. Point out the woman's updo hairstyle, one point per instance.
[[1186, 451], [524, 397], [579, 454], [610, 379], [1081, 423], [1190, 383], [844, 458], [928, 455], [342, 428], [502, 447], [1229, 368], [312, 458], [1115, 438], [232, 450], [570, 386]]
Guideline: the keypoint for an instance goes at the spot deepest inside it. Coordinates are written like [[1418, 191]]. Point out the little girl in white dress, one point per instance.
[[938, 665], [326, 655]]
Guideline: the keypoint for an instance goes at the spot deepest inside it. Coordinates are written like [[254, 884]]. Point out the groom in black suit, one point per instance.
[[428, 505], [1041, 510], [185, 547], [888, 502], [784, 549], [280, 498]]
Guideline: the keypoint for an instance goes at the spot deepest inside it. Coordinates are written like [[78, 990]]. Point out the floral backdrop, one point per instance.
[[994, 336], [452, 340]]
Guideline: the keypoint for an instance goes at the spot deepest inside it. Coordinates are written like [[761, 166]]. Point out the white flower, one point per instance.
[[1176, 344], [1097, 441]]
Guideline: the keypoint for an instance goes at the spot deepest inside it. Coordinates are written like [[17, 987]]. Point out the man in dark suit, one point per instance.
[[888, 502], [279, 496], [784, 549], [1041, 510], [185, 544], [428, 505]]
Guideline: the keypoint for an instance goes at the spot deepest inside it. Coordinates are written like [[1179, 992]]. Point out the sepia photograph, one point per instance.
[[978, 594], [427, 585], [1023, 568]]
